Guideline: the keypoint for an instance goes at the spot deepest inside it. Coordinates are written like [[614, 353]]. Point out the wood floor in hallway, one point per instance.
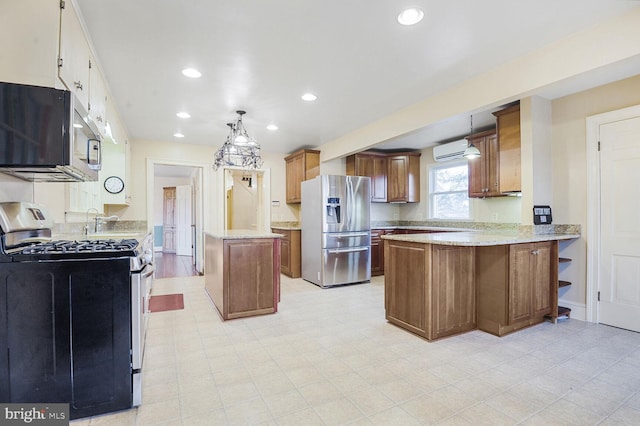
[[169, 265]]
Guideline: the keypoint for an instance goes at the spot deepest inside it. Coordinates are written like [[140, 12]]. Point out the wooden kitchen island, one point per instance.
[[242, 272], [441, 284]]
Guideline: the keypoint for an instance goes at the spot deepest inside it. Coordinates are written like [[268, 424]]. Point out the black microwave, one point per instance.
[[46, 135]]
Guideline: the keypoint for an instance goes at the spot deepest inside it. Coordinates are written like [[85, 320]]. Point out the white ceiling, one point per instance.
[[261, 56]]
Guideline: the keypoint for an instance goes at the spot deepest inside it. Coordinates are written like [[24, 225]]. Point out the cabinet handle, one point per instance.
[[78, 85], [535, 252], [99, 119]]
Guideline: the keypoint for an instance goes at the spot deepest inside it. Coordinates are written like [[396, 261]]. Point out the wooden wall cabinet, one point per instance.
[[395, 177], [290, 252], [373, 166], [242, 275], [403, 178], [484, 172], [429, 289], [508, 130], [300, 166], [517, 285]]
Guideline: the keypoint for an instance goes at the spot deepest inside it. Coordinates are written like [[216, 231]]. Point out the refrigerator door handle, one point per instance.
[[350, 234], [350, 199], [349, 250]]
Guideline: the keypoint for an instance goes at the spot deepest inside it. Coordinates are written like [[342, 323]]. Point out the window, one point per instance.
[[449, 191]]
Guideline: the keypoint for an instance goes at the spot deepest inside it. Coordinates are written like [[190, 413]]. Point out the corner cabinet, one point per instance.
[[300, 166], [429, 289], [374, 166], [508, 130], [517, 285], [395, 177], [484, 172]]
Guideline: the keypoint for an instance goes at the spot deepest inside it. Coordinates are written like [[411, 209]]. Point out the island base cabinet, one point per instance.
[[516, 285], [242, 276], [429, 289]]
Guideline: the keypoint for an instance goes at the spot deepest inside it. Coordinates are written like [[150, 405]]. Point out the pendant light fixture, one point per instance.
[[239, 149], [471, 152]]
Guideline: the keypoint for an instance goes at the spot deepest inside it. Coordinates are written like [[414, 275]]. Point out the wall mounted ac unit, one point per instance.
[[450, 151]]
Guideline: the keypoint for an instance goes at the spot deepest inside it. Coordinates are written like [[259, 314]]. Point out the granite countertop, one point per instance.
[[238, 234], [423, 228], [479, 238], [287, 227]]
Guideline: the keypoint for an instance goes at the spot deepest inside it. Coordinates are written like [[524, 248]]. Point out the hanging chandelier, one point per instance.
[[239, 149]]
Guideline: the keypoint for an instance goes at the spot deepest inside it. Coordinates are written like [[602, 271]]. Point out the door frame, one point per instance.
[[594, 242], [203, 211]]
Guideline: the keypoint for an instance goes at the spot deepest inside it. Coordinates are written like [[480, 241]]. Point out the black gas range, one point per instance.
[[73, 315]]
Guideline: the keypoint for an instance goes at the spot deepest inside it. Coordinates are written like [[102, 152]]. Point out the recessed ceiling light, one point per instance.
[[272, 127], [178, 135], [410, 16], [183, 114], [191, 72], [309, 97]]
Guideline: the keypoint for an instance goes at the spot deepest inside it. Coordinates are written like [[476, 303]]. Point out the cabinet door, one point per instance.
[[295, 176], [377, 252], [378, 177], [521, 278], [285, 252], [453, 300], [397, 185], [484, 172], [543, 275], [249, 286], [406, 267], [74, 54], [97, 98], [508, 126], [477, 175]]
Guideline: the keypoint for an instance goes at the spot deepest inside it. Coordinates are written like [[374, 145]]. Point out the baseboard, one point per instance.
[[158, 248], [578, 310]]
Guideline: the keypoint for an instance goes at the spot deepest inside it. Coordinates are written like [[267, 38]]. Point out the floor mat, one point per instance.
[[166, 302]]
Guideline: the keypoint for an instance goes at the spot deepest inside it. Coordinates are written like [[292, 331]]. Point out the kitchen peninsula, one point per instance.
[[441, 284], [242, 272]]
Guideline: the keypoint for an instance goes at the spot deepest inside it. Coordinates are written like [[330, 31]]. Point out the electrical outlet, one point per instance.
[[495, 217], [396, 216]]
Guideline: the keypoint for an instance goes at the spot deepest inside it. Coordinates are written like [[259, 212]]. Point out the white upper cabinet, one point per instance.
[[75, 55], [97, 98], [29, 32]]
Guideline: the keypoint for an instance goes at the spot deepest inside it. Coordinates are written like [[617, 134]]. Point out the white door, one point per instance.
[[183, 220], [619, 277]]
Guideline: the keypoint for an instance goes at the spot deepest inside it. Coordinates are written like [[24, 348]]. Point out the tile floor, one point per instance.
[[328, 357]]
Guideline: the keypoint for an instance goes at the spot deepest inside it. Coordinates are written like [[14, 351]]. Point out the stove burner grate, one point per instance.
[[83, 246]]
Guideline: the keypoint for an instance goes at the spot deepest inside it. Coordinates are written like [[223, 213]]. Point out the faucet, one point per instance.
[[102, 219], [85, 228]]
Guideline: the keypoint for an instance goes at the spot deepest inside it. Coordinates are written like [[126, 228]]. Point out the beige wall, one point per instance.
[[570, 171], [199, 156]]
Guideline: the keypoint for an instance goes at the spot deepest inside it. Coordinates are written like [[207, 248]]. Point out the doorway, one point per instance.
[[613, 286], [176, 214], [247, 199]]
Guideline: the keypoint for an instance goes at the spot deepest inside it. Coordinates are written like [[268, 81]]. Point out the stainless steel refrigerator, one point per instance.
[[336, 230]]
